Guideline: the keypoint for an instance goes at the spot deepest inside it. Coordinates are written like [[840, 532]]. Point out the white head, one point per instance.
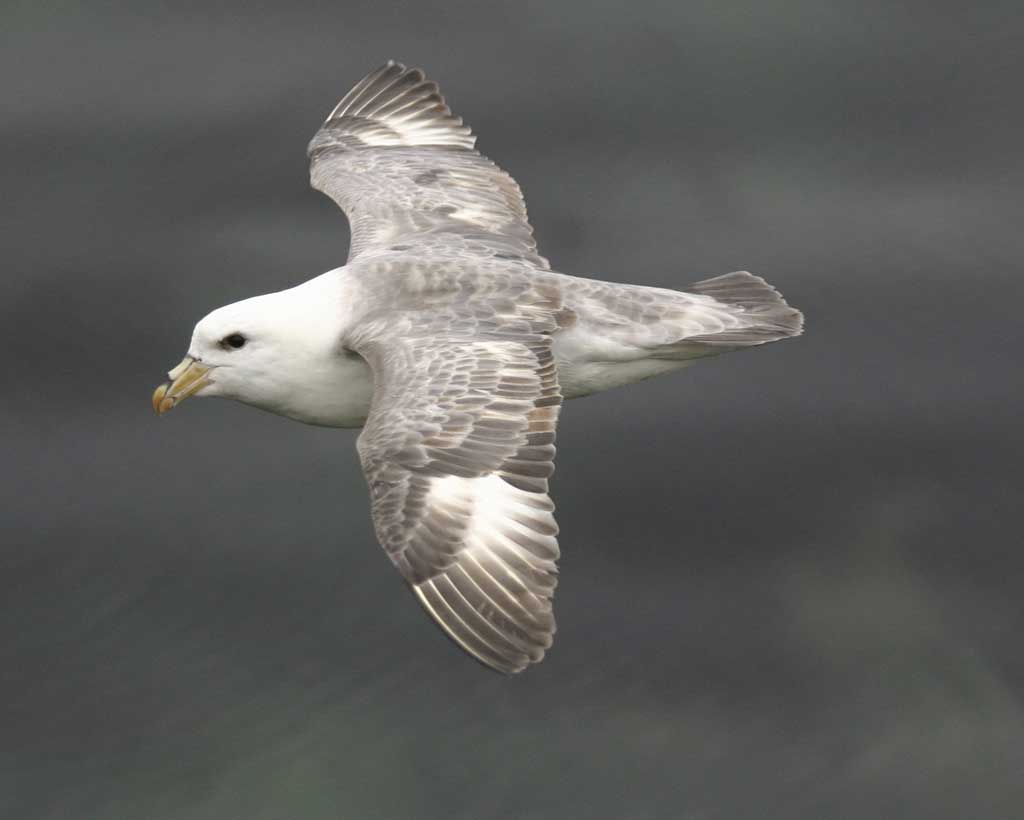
[[281, 352]]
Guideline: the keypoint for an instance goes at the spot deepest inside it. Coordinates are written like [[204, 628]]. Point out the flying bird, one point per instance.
[[448, 338]]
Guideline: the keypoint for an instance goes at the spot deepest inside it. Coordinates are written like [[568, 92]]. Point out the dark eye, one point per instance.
[[235, 340]]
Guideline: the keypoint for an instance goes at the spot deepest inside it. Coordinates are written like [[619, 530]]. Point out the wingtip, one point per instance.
[[505, 665], [409, 107]]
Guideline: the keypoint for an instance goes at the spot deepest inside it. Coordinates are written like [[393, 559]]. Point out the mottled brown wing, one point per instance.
[[403, 169], [457, 451]]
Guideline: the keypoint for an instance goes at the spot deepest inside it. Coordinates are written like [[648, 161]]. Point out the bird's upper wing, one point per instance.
[[403, 169], [457, 452]]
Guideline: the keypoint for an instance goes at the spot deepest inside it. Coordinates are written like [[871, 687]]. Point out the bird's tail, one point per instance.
[[765, 316]]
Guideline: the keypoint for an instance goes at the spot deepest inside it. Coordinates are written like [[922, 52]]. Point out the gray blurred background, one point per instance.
[[791, 584]]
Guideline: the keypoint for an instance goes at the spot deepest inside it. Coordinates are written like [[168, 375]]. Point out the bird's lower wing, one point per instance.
[[457, 453]]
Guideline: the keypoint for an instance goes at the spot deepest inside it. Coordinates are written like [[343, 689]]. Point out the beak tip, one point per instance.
[[187, 379], [159, 400]]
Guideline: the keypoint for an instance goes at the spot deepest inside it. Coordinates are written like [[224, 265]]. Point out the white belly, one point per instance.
[[589, 365], [584, 378]]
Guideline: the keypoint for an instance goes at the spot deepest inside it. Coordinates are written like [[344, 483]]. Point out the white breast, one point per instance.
[[342, 396]]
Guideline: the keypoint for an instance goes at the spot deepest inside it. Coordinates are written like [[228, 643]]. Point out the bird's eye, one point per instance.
[[235, 340]]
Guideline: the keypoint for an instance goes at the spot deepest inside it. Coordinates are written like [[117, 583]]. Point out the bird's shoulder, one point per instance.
[[443, 292]]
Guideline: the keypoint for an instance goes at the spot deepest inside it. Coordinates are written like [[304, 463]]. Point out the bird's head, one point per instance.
[[280, 352], [238, 351]]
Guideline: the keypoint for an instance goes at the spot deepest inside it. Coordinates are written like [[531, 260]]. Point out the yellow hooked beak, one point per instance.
[[187, 378]]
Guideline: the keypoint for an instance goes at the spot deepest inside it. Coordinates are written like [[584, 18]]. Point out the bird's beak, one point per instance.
[[187, 378]]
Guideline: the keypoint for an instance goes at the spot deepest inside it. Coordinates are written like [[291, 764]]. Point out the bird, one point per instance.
[[452, 343]]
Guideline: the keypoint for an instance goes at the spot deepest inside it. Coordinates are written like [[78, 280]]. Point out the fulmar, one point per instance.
[[450, 341]]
